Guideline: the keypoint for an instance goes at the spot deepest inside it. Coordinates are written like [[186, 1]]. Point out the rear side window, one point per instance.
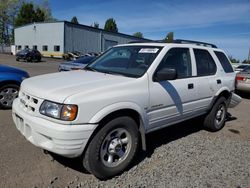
[[224, 62], [204, 62]]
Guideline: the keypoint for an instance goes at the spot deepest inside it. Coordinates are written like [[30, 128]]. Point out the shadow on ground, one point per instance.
[[154, 140], [245, 95]]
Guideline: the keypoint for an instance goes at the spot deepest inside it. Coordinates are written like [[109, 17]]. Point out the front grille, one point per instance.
[[29, 103]]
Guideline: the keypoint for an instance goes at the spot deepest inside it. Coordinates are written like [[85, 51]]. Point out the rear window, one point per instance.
[[224, 62]]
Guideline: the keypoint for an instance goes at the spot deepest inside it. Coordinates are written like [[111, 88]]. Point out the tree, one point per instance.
[[138, 34], [246, 61], [28, 14], [110, 25], [74, 20], [96, 25], [233, 60], [169, 38], [8, 9], [45, 7]]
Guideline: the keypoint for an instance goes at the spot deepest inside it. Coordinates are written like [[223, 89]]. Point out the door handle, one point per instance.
[[190, 86], [218, 81]]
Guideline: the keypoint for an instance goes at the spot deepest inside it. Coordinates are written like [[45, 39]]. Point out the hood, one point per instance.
[[8, 69], [58, 86]]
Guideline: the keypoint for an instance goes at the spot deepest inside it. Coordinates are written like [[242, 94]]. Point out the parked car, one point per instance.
[[78, 64], [243, 80], [10, 80], [103, 113], [29, 55], [241, 67], [72, 55]]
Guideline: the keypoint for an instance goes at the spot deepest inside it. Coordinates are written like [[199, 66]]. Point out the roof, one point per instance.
[[87, 27]]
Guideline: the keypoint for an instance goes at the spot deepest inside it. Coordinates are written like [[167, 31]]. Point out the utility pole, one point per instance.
[[248, 56]]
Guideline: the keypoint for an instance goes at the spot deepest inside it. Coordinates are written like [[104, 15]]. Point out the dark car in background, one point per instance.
[[10, 81], [29, 55], [78, 64]]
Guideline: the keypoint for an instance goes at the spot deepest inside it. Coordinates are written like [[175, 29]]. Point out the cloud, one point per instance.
[[161, 16]]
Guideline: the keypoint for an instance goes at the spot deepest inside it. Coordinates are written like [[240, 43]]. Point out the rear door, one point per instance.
[[207, 80]]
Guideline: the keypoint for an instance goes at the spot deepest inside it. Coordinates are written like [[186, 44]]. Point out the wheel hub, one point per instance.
[[115, 146]]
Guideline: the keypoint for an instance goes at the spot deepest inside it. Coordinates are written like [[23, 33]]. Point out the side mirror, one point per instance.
[[165, 74]]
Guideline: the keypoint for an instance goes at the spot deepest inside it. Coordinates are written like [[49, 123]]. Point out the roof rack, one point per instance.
[[140, 41], [181, 41], [178, 41]]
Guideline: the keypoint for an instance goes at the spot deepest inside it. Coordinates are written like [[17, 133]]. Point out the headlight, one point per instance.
[[67, 112]]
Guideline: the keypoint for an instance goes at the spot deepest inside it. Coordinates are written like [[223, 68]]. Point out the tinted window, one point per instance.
[[246, 70], [224, 62], [204, 62], [179, 59], [241, 66]]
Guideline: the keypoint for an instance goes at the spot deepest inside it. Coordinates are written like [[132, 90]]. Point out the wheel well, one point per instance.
[[9, 82], [225, 94], [124, 112]]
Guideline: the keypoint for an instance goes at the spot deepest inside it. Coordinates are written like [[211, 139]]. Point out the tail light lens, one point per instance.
[[241, 78]]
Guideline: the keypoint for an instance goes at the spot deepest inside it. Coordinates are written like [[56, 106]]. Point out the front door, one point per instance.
[[172, 100]]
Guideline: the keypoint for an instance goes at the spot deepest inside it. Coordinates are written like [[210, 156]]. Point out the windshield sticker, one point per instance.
[[149, 50]]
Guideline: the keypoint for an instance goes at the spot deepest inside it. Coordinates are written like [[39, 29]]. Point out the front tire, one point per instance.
[[215, 119], [7, 95], [113, 148]]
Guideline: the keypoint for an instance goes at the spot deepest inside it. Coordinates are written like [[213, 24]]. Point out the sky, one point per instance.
[[226, 23]]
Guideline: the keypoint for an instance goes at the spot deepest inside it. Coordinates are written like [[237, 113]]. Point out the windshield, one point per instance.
[[84, 60], [131, 61]]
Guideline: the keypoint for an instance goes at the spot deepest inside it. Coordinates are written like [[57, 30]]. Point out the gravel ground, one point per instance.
[[183, 155]]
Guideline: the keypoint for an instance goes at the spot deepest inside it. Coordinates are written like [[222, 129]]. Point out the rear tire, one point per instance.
[[113, 148], [215, 119]]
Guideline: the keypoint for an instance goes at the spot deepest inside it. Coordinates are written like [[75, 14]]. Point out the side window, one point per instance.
[[179, 59], [204, 62], [224, 62]]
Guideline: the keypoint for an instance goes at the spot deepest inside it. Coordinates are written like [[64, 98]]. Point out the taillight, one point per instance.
[[241, 78]]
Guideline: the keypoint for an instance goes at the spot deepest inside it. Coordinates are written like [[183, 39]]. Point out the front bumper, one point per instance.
[[65, 140]]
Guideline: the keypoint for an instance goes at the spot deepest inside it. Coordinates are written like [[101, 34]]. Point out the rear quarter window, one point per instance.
[[224, 62]]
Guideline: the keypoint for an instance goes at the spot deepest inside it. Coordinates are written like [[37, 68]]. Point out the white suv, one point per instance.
[[102, 113]]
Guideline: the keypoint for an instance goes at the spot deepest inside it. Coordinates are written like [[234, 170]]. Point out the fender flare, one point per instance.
[[122, 106]]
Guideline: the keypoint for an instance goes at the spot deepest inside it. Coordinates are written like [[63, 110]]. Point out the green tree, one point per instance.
[[246, 61], [138, 34], [8, 9], [45, 7], [96, 25], [74, 20], [169, 38], [110, 25], [233, 60]]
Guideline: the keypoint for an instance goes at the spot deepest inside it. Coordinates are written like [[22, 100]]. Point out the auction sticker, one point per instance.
[[149, 50]]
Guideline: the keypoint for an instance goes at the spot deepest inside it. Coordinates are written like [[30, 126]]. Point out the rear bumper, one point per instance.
[[243, 86], [65, 140]]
